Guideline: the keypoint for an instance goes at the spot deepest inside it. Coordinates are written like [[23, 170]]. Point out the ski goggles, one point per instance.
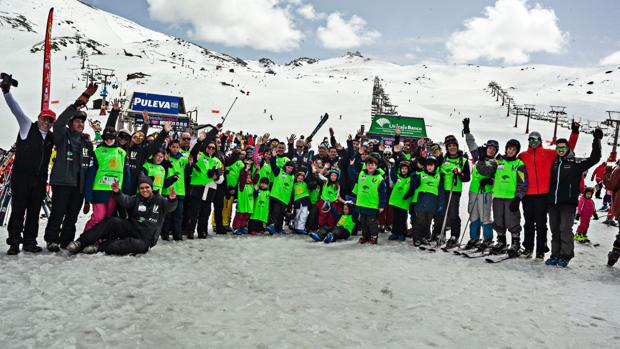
[[561, 148], [533, 140]]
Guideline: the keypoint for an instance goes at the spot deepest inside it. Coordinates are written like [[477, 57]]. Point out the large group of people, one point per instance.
[[139, 187]]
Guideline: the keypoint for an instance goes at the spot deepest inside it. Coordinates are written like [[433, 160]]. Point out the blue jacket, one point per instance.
[[427, 202]]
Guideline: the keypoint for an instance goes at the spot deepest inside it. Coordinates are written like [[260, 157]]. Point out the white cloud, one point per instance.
[[308, 12], [342, 34], [259, 24], [612, 59], [509, 31]]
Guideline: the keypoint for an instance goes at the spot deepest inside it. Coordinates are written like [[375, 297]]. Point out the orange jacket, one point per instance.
[[538, 163]]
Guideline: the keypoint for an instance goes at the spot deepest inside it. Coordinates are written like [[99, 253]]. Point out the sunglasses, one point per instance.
[[186, 138], [533, 140], [211, 148]]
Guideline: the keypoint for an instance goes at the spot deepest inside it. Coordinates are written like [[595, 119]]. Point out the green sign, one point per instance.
[[409, 127]]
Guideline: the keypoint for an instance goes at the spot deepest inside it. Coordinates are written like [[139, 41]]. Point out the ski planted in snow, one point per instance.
[[47, 63], [498, 259]]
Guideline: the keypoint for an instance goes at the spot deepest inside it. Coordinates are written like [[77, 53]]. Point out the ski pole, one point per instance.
[[229, 109], [445, 217], [469, 219]]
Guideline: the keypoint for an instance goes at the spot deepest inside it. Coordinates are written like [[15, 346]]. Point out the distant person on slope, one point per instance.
[[139, 233], [563, 197], [538, 162], [74, 153], [30, 168]]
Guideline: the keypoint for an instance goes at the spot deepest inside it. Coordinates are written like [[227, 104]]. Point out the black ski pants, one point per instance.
[[277, 211], [27, 195], [535, 227], [453, 218], [199, 211], [174, 221], [369, 226], [422, 227], [119, 237], [399, 221], [66, 204]]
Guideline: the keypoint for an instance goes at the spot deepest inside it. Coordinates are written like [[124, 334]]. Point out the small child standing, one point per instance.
[[245, 199], [260, 214], [301, 201], [585, 211]]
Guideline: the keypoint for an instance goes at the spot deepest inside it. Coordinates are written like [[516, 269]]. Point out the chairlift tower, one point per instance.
[[557, 110], [614, 118], [529, 108]]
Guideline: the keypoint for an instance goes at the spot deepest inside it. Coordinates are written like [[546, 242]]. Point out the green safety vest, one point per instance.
[[266, 172], [111, 166], [281, 161], [505, 182], [367, 190], [203, 164], [314, 195], [232, 178], [429, 183], [261, 206], [329, 192], [178, 169], [300, 191], [476, 177], [446, 169], [282, 187], [346, 221], [400, 189], [157, 172], [245, 199], [185, 153]]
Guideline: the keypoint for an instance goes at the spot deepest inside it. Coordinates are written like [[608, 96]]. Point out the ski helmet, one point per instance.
[[430, 159], [492, 143], [450, 139], [514, 143]]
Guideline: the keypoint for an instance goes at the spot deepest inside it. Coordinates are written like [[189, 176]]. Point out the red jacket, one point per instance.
[[599, 172], [538, 163]]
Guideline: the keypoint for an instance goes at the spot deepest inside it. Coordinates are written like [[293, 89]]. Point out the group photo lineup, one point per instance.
[[408, 174]]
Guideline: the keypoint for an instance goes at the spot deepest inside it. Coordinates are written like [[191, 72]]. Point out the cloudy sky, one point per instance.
[[491, 32]]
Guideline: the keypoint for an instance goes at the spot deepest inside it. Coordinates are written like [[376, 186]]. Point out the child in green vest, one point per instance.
[[509, 188], [177, 170], [401, 177], [301, 202], [370, 200], [281, 193], [329, 200], [245, 199], [428, 185], [109, 166], [342, 230], [260, 214], [155, 169]]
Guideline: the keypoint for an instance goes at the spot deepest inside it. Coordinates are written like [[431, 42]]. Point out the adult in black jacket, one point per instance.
[[563, 197], [74, 152], [33, 149], [139, 233]]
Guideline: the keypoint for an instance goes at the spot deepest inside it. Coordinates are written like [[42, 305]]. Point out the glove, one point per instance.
[[514, 205], [577, 217], [6, 83], [211, 173], [83, 99], [574, 127], [465, 126], [486, 181], [598, 134]]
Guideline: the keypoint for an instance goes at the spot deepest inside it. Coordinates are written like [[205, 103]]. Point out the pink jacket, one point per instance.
[[585, 208]]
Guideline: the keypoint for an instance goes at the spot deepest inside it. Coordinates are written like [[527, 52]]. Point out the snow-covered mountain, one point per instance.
[[295, 93]]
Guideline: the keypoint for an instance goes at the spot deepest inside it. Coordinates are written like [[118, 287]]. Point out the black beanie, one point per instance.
[[145, 180]]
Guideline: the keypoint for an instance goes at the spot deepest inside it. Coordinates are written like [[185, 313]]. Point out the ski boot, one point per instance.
[[552, 261], [471, 244], [13, 250], [525, 253], [484, 245], [515, 247], [603, 208], [74, 247], [32, 248], [316, 237], [610, 222], [451, 243], [501, 246], [402, 237], [540, 255], [363, 240], [239, 232], [581, 238], [329, 238], [53, 247], [563, 263], [373, 240], [202, 235], [614, 254], [394, 237], [270, 229], [416, 243], [90, 249]]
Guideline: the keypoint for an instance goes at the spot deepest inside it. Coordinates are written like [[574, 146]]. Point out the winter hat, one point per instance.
[[48, 113], [329, 173], [290, 163], [514, 143], [403, 163], [430, 159], [535, 134], [78, 115], [450, 139], [145, 180], [561, 140], [492, 143], [124, 131]]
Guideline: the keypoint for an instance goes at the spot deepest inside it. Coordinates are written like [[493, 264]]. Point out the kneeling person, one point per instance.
[[137, 234]]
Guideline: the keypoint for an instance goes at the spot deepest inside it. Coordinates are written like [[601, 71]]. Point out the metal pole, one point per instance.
[[229, 109], [555, 129], [612, 155], [517, 117]]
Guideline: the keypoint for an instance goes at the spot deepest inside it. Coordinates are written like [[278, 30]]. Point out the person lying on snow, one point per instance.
[[119, 236]]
